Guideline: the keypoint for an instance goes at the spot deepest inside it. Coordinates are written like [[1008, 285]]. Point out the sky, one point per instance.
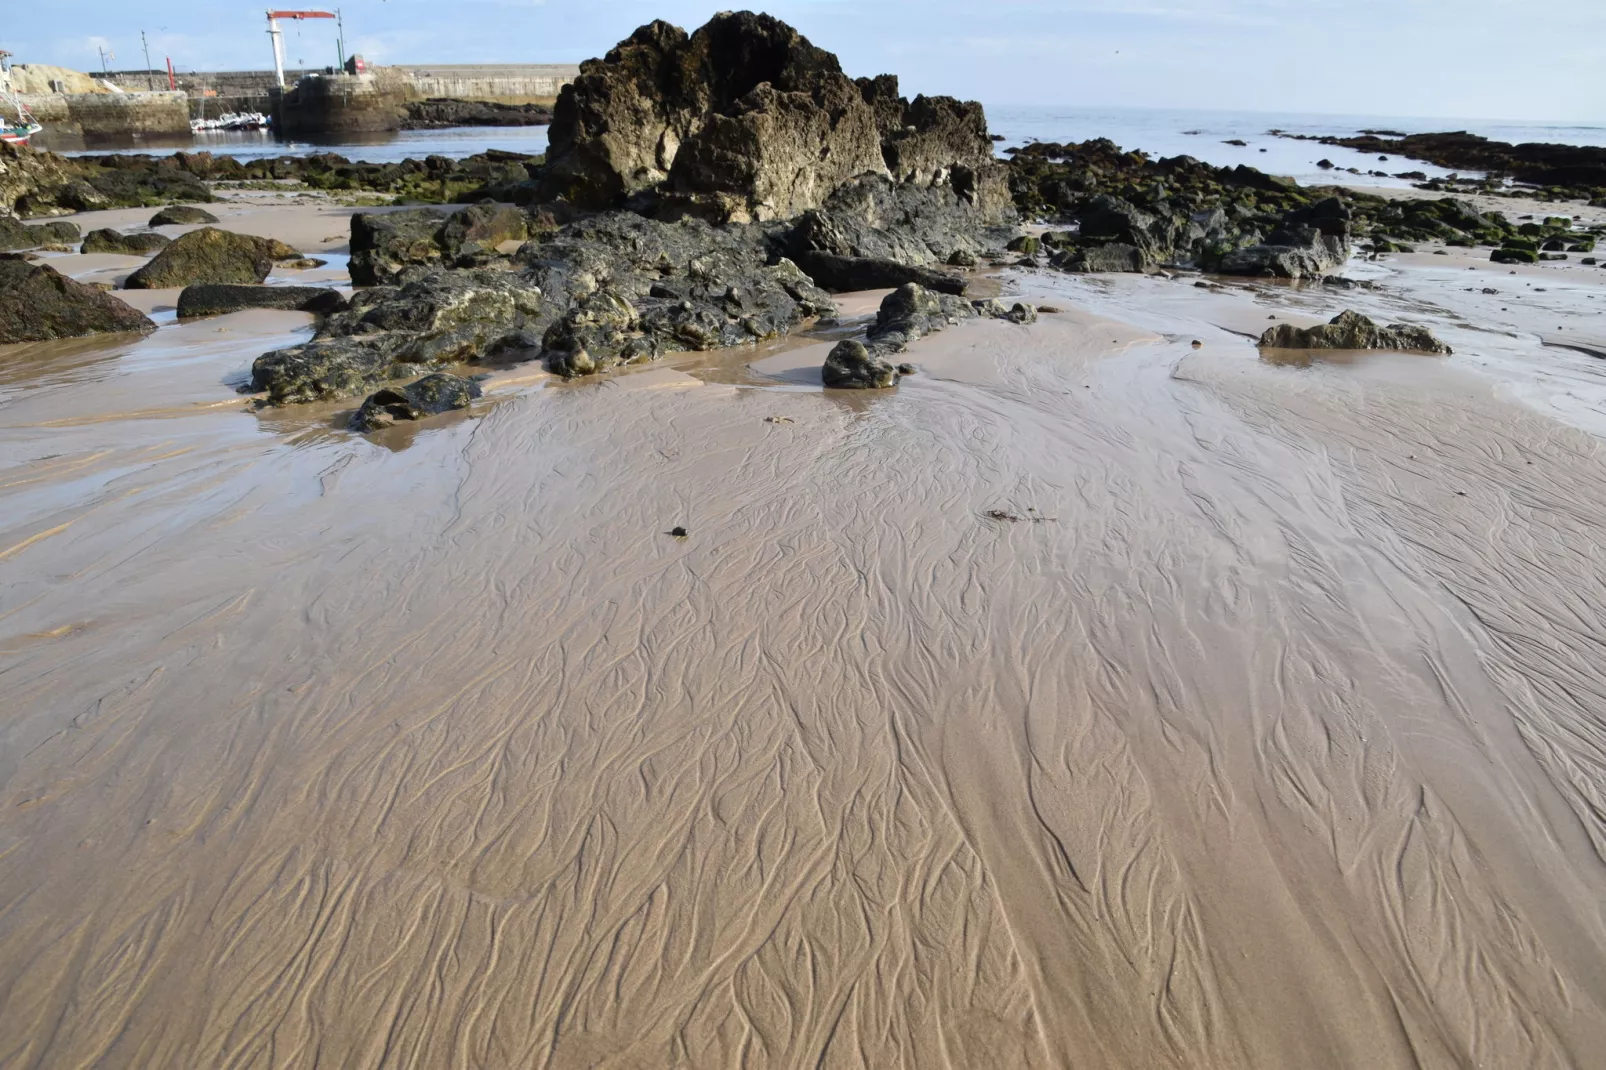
[[1493, 59]]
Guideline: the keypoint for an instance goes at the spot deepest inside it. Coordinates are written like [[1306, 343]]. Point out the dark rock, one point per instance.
[[1351, 330], [107, 240], [384, 244], [963, 258], [14, 235], [1310, 241], [181, 215], [852, 366], [429, 396], [215, 299], [439, 114], [847, 274], [442, 318], [206, 255], [37, 304]]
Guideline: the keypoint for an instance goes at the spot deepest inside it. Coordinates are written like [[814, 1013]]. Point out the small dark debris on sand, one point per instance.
[[679, 532]]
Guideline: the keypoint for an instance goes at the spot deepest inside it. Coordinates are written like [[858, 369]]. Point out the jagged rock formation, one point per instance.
[[743, 120], [430, 396], [1351, 330], [216, 299], [39, 304]]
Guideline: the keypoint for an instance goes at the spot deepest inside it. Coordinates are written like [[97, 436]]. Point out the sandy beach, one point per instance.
[[1268, 733]]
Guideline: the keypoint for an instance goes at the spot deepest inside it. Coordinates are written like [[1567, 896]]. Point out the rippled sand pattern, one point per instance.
[[1265, 747]]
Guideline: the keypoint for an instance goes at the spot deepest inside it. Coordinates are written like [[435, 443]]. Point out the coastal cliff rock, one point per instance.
[[106, 240], [216, 299], [744, 120], [207, 255], [38, 304], [430, 396], [1351, 330]]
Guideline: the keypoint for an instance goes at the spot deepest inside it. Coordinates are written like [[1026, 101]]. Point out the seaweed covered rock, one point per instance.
[[207, 255], [216, 299], [106, 240], [1309, 243], [181, 215], [430, 396], [15, 235], [37, 304], [445, 317], [852, 365], [689, 285], [1351, 330]]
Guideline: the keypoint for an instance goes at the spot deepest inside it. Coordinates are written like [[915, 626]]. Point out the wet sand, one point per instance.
[[1273, 735]]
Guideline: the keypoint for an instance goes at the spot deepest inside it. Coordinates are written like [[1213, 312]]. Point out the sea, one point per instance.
[[1159, 132]]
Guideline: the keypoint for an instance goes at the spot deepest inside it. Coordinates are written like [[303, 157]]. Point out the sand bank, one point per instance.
[[1270, 736]]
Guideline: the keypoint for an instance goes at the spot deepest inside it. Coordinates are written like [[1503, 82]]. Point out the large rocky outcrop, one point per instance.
[[38, 304], [1351, 330], [744, 120]]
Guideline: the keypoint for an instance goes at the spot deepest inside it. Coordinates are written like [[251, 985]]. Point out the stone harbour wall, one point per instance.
[[110, 114]]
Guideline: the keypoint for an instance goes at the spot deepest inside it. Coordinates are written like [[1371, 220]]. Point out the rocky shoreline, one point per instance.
[[714, 189]]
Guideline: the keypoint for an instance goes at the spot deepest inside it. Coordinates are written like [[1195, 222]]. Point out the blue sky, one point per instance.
[[1499, 59]]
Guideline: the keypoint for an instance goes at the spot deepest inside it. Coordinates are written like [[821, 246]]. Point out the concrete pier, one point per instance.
[[322, 105]]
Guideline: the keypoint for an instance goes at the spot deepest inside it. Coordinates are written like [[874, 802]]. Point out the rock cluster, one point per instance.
[[1351, 330], [39, 304]]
